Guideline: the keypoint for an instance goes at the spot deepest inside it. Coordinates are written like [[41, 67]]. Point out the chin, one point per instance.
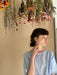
[[45, 45]]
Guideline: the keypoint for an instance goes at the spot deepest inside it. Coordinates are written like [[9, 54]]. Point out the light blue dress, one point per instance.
[[44, 62]]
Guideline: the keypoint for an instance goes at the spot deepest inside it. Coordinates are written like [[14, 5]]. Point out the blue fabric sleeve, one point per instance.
[[26, 64], [53, 64]]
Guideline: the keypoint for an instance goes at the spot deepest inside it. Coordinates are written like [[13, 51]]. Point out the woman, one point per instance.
[[39, 61]]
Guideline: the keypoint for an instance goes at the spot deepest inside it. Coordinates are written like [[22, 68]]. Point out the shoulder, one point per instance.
[[27, 54], [27, 57], [50, 53]]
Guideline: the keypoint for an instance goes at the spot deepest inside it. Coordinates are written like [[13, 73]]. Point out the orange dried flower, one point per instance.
[[0, 3], [5, 3], [1, 8]]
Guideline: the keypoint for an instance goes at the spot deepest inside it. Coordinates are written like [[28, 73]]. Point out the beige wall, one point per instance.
[[14, 44]]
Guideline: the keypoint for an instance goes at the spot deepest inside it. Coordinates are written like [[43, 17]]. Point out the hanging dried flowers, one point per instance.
[[10, 16], [36, 11]]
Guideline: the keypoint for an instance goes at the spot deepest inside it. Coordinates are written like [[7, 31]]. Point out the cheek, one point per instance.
[[41, 41], [45, 42]]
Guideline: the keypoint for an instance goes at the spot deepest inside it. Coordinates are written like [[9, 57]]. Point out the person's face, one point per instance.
[[42, 40]]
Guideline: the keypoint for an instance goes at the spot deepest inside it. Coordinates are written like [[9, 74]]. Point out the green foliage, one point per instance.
[[29, 3], [21, 9], [38, 4], [47, 6]]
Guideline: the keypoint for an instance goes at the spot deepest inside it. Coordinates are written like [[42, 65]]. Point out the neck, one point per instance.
[[41, 48]]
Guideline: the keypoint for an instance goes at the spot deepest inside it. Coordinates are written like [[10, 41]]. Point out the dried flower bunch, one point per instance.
[[36, 11]]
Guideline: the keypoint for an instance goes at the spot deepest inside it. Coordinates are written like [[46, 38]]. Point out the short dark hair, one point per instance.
[[36, 32]]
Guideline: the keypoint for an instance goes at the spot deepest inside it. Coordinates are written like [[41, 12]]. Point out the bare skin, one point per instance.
[[39, 47], [52, 74]]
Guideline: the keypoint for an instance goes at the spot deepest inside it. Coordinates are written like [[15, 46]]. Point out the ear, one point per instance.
[[36, 39]]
